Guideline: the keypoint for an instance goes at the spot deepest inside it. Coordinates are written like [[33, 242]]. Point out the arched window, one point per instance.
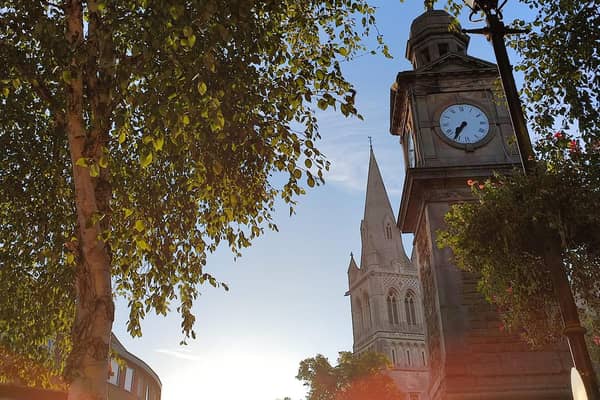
[[388, 231], [392, 307], [393, 357], [359, 316], [367, 311], [409, 309], [424, 361], [408, 356]]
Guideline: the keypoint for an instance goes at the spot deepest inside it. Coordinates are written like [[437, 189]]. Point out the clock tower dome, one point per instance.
[[450, 116]]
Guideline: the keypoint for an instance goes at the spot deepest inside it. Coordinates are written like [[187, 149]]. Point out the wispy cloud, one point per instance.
[[345, 143], [181, 354]]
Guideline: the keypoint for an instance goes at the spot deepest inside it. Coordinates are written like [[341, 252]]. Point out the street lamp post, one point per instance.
[[550, 245]]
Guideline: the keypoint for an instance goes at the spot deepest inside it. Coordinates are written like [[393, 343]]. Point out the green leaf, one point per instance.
[[142, 244], [147, 160], [82, 162], [94, 170], [66, 76], [103, 162], [201, 88], [139, 225], [186, 120], [158, 143], [343, 51], [122, 136]]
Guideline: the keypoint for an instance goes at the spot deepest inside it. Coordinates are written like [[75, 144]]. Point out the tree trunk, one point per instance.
[[87, 369]]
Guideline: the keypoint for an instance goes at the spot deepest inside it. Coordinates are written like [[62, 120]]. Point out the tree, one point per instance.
[[356, 377], [500, 237], [136, 137]]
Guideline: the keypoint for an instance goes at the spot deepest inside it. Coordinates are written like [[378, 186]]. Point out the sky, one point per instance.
[[286, 300]]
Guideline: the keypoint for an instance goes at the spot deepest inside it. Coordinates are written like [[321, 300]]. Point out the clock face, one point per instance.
[[464, 123]]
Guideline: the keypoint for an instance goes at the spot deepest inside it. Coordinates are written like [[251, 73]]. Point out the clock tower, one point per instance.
[[453, 125]]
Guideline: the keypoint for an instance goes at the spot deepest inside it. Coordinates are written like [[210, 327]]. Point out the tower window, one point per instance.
[[424, 362], [392, 307], [394, 357], [388, 231], [367, 317], [409, 309], [408, 356], [359, 316], [442, 48]]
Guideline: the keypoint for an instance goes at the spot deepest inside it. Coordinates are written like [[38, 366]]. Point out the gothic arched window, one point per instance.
[[367, 311], [359, 316], [392, 307], [409, 309], [388, 231]]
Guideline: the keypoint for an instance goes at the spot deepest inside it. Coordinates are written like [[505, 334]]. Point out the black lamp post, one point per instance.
[[549, 243]]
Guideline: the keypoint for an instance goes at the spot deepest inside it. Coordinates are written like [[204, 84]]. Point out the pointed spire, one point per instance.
[[352, 267], [377, 203]]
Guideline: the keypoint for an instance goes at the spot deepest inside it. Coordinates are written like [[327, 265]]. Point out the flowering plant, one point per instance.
[[499, 237]]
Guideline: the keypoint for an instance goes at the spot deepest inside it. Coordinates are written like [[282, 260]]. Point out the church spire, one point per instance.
[[377, 203], [381, 239]]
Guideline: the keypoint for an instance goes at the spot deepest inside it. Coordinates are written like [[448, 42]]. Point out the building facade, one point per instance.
[[385, 293], [130, 379]]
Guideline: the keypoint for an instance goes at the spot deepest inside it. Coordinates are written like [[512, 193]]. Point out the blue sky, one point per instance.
[[286, 301]]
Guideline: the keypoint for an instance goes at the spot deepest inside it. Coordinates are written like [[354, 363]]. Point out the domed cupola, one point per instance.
[[432, 36]]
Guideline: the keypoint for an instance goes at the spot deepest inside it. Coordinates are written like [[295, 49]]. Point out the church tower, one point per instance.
[[453, 126], [385, 293]]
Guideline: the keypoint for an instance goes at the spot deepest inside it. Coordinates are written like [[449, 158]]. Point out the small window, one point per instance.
[[408, 356], [113, 374], [424, 362], [128, 379], [393, 357], [147, 393], [409, 309], [442, 48], [388, 231], [392, 307]]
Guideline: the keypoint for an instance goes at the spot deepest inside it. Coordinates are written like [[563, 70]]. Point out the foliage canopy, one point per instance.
[[136, 137], [355, 377]]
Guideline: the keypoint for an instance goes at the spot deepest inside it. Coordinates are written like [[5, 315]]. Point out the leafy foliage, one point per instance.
[[561, 65], [189, 113], [499, 236], [356, 377]]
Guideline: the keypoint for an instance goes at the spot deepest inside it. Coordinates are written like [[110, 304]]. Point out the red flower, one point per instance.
[[596, 340], [481, 186], [558, 135], [470, 182]]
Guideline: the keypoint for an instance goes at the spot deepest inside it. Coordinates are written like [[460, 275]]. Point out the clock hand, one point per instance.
[[459, 129]]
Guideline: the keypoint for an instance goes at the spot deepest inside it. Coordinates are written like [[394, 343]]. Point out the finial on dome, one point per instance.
[[429, 4]]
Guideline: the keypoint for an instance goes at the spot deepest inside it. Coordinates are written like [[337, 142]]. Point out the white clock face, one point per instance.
[[464, 123]]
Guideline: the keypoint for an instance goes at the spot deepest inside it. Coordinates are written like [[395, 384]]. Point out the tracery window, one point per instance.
[[392, 307], [388, 231], [409, 309]]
